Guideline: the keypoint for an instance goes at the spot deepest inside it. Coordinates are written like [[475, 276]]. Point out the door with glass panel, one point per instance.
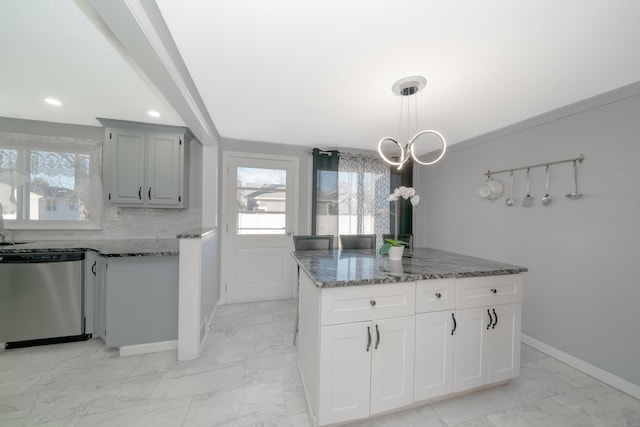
[[259, 217]]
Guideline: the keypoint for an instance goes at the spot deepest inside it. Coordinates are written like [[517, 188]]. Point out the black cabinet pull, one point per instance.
[[149, 193], [377, 337], [496, 321], [494, 291], [140, 193], [455, 324], [369, 341], [372, 302], [93, 268], [490, 319], [438, 295]]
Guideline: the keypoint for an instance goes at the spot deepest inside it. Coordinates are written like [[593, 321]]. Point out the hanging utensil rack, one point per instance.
[[580, 159]]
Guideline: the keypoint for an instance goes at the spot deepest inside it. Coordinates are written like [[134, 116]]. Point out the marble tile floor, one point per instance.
[[247, 376]]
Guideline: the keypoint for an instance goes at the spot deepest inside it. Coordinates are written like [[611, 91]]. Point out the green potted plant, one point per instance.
[[395, 247]]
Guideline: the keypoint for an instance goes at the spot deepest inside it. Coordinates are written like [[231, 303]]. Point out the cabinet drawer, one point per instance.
[[369, 302], [489, 290], [435, 295]]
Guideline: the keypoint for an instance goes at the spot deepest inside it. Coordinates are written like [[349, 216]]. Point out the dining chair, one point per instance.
[[404, 237], [358, 241], [313, 243], [308, 243]]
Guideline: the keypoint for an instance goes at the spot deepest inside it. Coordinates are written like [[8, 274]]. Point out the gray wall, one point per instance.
[[582, 290]]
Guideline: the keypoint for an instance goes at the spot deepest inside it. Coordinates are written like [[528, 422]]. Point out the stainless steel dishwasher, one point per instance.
[[41, 298]]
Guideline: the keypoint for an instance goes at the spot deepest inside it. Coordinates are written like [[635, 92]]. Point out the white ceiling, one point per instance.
[[319, 72]]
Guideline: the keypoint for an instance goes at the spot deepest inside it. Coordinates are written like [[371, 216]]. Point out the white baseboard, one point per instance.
[[153, 347], [598, 373]]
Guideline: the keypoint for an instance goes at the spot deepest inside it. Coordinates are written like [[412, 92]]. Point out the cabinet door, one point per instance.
[[504, 359], [164, 169], [392, 361], [471, 348], [345, 372], [99, 270], [435, 344], [126, 166]]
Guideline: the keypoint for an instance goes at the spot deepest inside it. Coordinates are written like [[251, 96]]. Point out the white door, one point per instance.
[[434, 354], [345, 371], [471, 348], [392, 363], [504, 361], [259, 218]]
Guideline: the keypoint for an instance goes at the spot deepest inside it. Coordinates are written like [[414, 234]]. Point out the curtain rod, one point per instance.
[[580, 159]]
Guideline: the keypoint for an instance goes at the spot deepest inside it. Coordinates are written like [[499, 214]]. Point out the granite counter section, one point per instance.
[[196, 233], [364, 267], [109, 248]]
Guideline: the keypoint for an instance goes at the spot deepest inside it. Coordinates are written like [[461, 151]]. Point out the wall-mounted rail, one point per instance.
[[580, 159]]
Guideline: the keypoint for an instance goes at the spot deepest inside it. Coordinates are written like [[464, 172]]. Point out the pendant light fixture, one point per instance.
[[408, 88]]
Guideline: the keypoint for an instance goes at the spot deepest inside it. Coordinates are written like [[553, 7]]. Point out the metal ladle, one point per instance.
[[575, 194], [510, 200], [547, 198]]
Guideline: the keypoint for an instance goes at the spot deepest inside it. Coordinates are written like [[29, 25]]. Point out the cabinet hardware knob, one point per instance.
[[93, 268], [140, 193], [494, 291], [438, 295], [455, 324], [372, 302], [149, 193], [377, 337], [369, 340], [495, 321], [490, 319]]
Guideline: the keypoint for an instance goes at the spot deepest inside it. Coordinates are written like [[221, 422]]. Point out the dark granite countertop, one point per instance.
[[109, 248], [196, 233], [365, 267]]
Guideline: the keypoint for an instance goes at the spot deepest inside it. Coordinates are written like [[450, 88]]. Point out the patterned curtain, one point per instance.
[[363, 188]]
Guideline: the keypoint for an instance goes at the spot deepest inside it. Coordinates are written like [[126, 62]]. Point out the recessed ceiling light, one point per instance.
[[153, 113], [53, 101]]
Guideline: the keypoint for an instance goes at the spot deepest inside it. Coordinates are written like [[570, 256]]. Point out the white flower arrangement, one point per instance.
[[405, 193]]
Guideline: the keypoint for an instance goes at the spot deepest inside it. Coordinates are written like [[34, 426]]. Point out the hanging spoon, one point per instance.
[[510, 200], [528, 200], [575, 194], [547, 198]]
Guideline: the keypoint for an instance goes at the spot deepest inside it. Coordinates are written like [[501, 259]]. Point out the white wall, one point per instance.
[[582, 290]]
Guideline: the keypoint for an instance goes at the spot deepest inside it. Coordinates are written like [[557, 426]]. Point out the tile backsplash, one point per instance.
[[125, 223]]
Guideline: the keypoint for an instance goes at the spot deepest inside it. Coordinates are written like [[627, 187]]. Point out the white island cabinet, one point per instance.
[[366, 349]]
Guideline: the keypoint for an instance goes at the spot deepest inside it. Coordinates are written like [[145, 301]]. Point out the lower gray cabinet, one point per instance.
[[136, 299]]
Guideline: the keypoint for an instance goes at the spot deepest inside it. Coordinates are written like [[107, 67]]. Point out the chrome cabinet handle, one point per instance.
[[496, 321], [369, 341], [455, 324], [490, 319], [377, 337]]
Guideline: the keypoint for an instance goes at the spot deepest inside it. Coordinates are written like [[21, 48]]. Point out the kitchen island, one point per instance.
[[376, 336]]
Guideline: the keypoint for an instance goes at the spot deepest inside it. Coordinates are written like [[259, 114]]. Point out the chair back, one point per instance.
[[313, 243], [358, 241], [404, 237]]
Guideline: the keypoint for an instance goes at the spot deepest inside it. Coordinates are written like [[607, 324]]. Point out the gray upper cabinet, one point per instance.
[[146, 165]]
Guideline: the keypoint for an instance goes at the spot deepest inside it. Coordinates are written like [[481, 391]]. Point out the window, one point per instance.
[[261, 195], [50, 182], [350, 194]]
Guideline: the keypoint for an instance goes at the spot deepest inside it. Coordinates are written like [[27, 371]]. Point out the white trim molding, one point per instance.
[[152, 347], [579, 364]]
